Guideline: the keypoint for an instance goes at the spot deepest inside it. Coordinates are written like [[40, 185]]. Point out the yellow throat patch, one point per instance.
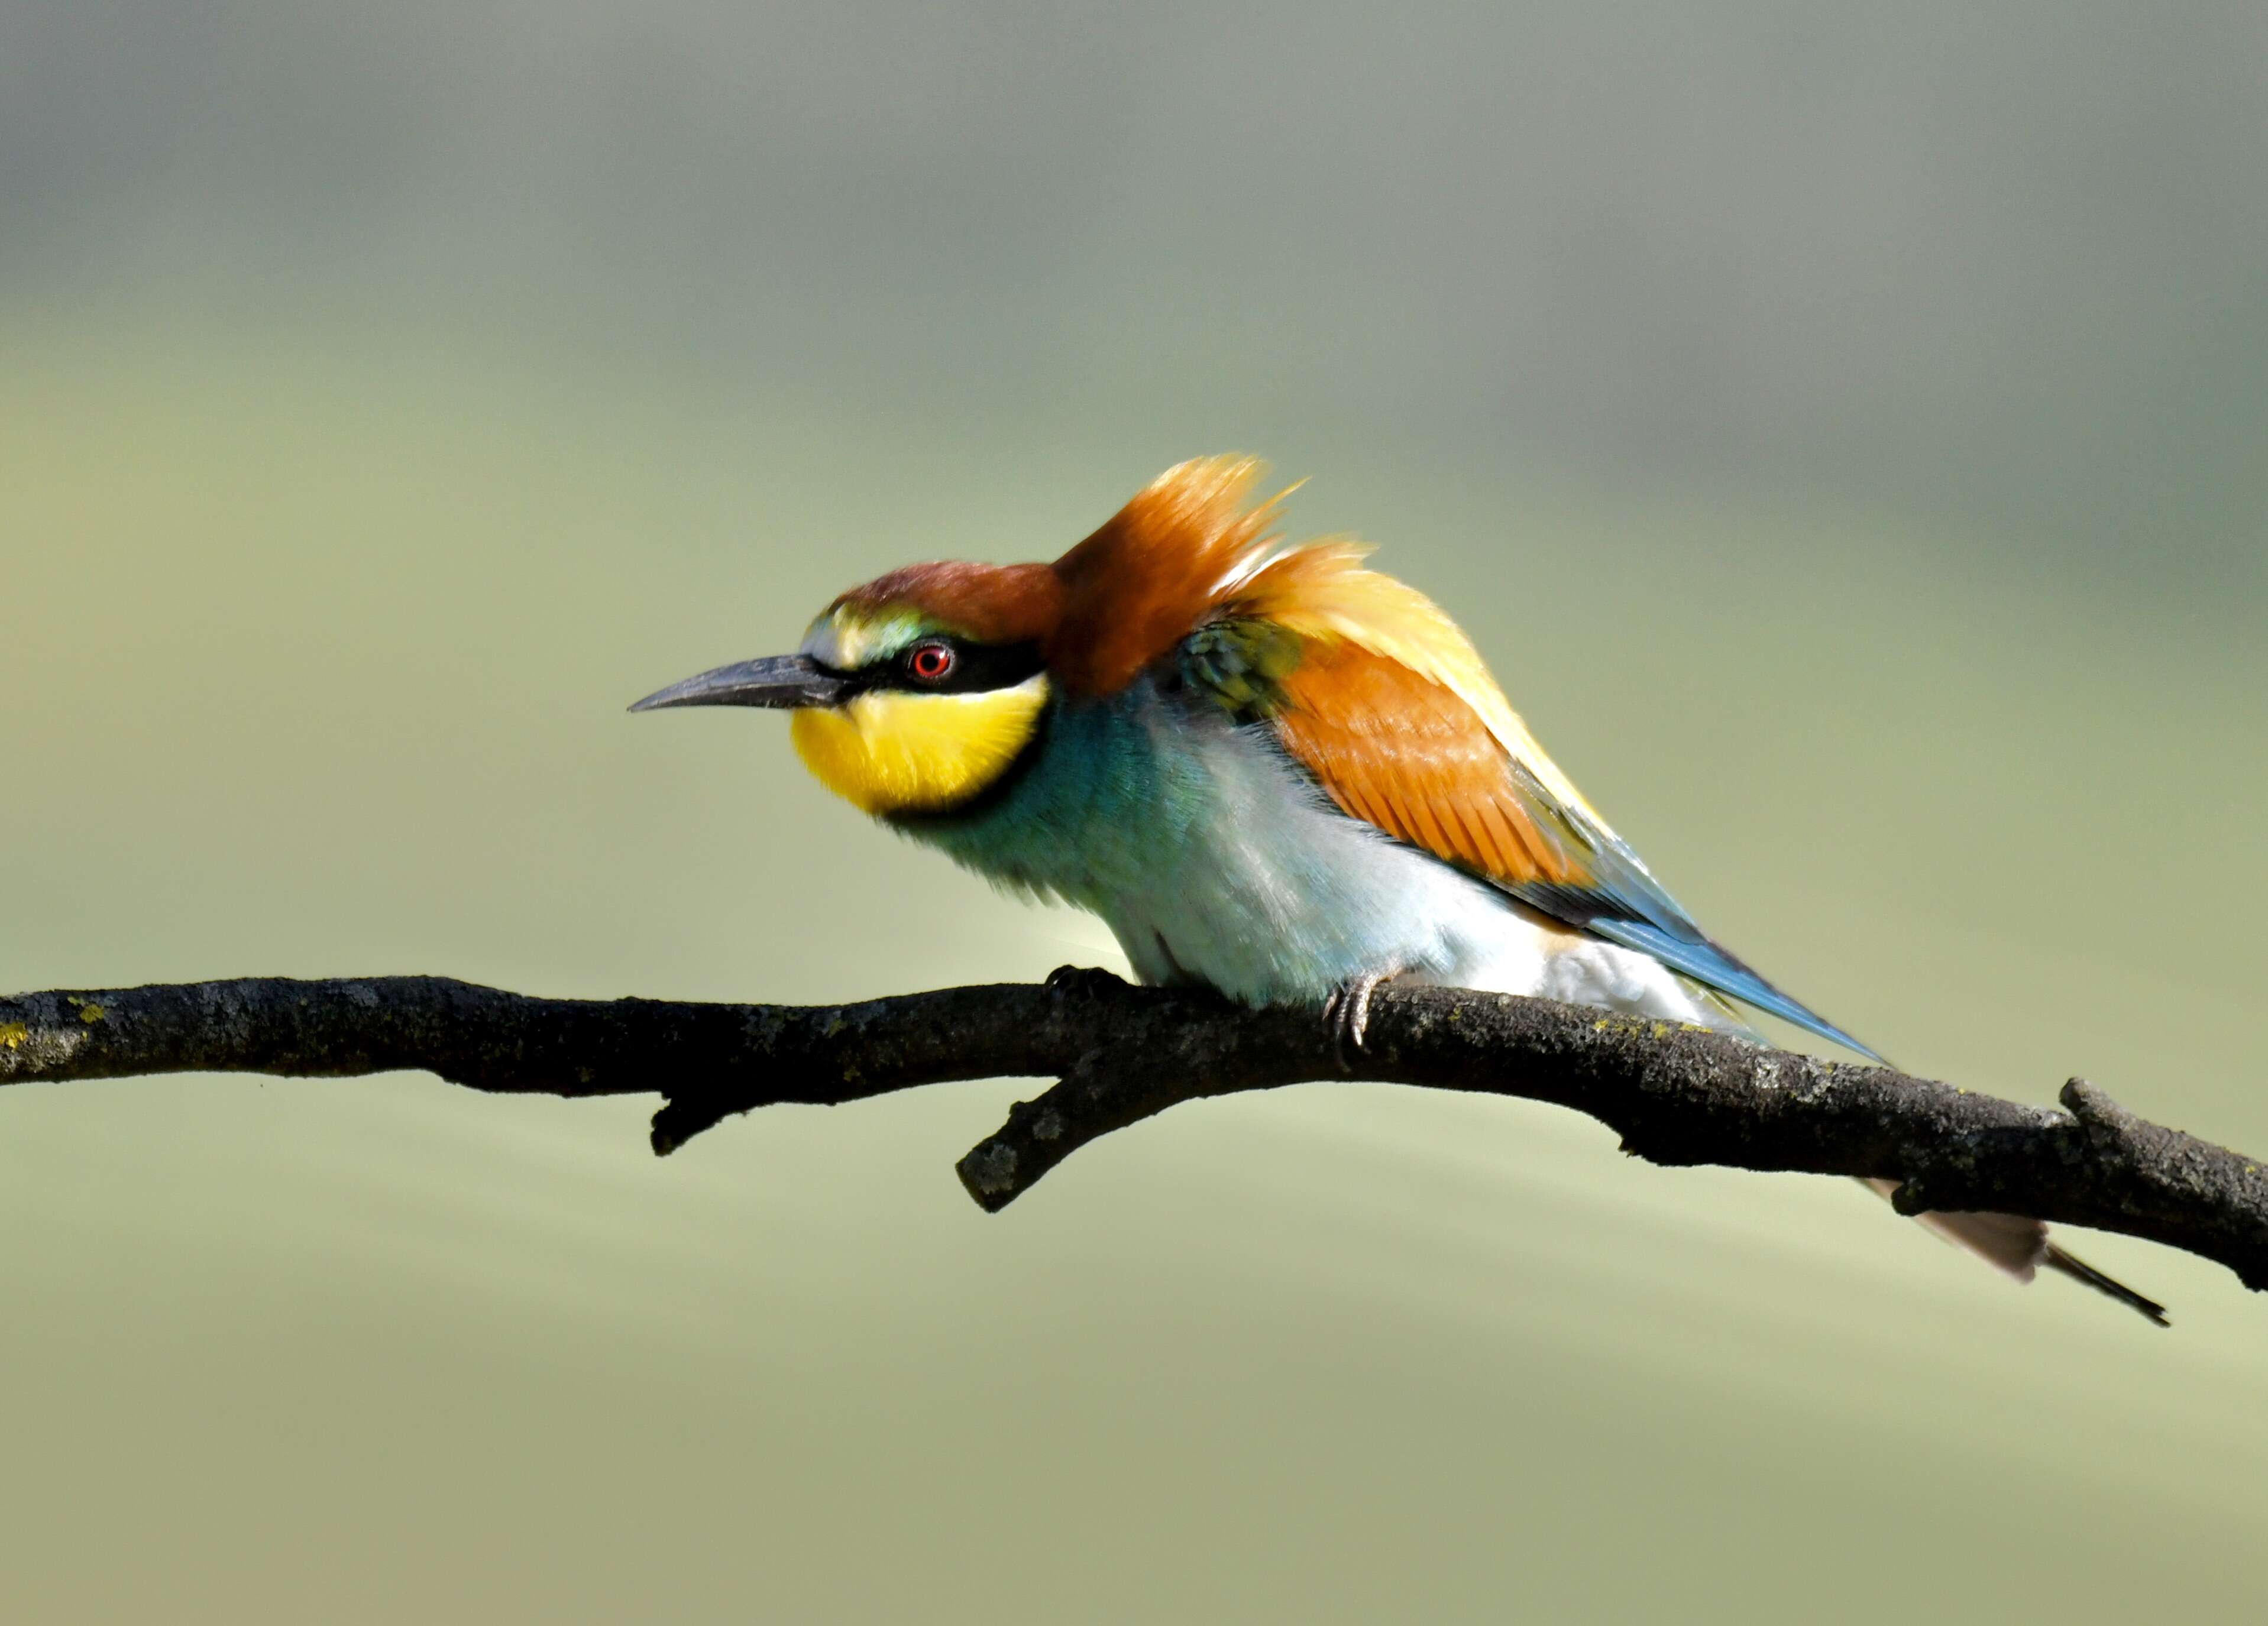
[[890, 750]]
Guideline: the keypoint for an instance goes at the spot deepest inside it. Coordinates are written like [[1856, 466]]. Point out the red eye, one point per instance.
[[929, 662]]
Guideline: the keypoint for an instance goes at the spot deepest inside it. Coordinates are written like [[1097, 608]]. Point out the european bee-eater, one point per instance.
[[1268, 769]]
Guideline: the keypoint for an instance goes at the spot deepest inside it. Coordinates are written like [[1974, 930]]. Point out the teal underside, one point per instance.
[[1098, 811]]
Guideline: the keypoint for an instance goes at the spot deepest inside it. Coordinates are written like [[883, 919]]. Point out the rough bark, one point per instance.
[[1121, 1054]]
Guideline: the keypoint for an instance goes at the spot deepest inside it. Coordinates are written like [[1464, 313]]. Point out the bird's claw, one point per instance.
[[1090, 981], [1346, 1013]]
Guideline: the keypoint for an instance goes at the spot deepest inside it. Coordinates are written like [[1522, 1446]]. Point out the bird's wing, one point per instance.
[[1373, 690], [1378, 695]]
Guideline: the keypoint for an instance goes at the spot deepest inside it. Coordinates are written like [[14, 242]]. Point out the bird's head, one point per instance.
[[912, 694], [917, 692]]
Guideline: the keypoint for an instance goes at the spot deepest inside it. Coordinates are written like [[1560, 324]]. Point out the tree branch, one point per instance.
[[1677, 1096]]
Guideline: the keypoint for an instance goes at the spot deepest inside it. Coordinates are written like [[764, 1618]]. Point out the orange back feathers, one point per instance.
[[1154, 571]]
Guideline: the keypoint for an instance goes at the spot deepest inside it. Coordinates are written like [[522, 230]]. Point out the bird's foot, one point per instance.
[[1090, 981], [1346, 1013]]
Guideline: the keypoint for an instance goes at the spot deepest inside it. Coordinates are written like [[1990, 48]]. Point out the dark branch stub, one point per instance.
[[1121, 1054]]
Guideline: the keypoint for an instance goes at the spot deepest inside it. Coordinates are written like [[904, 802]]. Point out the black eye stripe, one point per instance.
[[976, 667]]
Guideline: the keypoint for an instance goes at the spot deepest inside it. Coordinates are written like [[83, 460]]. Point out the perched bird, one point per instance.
[[1269, 770]]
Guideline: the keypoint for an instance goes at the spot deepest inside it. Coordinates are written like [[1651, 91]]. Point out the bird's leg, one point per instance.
[[1346, 1013]]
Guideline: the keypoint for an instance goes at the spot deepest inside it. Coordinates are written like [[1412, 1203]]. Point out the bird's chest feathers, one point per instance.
[[891, 752], [1105, 804]]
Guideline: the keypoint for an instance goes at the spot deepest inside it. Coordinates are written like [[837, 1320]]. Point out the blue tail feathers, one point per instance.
[[1704, 962]]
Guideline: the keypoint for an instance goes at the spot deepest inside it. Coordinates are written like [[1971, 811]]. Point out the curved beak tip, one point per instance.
[[782, 682]]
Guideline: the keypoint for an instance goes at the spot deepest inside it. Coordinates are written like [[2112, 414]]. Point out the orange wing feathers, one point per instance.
[[1405, 754], [1393, 711]]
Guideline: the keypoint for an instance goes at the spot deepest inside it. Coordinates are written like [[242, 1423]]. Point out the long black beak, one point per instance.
[[780, 680]]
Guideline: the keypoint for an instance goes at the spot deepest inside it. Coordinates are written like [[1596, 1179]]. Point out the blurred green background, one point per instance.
[[1842, 427]]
